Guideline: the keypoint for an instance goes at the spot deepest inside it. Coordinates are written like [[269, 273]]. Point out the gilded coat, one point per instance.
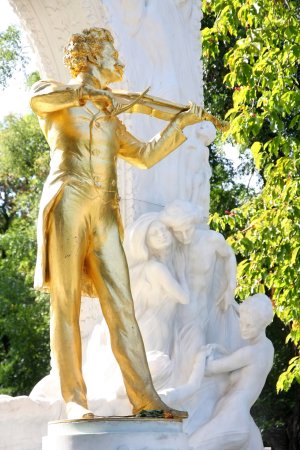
[[85, 143]]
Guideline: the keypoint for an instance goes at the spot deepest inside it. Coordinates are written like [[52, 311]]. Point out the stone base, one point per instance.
[[116, 433]]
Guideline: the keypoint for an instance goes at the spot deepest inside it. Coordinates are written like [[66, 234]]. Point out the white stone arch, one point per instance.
[[48, 25]]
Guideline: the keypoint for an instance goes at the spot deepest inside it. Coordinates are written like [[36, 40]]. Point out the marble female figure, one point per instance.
[[149, 247]]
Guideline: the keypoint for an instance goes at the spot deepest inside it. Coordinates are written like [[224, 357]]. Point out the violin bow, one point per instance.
[[138, 98]]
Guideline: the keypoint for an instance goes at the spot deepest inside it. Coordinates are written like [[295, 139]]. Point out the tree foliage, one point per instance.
[[24, 349], [227, 190], [11, 54], [254, 46], [263, 71]]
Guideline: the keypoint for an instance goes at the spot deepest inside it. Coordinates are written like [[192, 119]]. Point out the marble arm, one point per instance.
[[230, 269], [224, 251], [230, 263], [162, 275], [185, 391], [236, 360]]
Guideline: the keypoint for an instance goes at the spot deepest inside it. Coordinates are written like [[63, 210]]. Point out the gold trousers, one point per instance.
[[83, 234]]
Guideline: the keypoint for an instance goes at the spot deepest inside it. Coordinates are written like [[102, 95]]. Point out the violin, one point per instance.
[[143, 103]]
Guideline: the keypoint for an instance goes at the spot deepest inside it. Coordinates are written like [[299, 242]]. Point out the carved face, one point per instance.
[[185, 232], [109, 64], [158, 236], [250, 325]]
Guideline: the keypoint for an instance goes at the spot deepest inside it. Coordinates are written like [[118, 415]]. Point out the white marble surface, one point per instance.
[[182, 273], [116, 434], [23, 421]]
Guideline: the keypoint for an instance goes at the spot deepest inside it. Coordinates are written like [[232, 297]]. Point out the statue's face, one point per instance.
[[250, 326], [185, 233], [109, 65], [158, 236]]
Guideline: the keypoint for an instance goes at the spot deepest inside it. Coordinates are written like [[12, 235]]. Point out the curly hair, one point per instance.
[[260, 306], [85, 47], [179, 213]]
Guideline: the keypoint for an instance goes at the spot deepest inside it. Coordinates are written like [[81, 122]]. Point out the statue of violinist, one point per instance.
[[79, 226]]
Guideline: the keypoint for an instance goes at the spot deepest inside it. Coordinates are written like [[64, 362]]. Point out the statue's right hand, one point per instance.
[[102, 96]]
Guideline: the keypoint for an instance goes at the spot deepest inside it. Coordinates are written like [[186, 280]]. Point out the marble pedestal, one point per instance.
[[116, 433]]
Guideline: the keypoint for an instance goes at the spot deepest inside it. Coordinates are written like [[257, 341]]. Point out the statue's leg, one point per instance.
[[107, 266], [66, 251]]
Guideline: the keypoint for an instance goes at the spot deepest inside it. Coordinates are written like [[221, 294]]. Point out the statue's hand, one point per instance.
[[100, 96], [212, 349], [190, 117], [226, 300]]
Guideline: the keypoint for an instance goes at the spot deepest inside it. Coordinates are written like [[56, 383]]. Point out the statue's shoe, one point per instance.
[[159, 409], [76, 411]]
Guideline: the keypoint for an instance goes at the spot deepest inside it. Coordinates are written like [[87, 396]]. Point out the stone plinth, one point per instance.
[[116, 433]]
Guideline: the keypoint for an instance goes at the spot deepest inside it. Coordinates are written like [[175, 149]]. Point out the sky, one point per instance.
[[14, 99]]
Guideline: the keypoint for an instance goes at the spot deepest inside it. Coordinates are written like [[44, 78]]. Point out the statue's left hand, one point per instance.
[[226, 300], [190, 117]]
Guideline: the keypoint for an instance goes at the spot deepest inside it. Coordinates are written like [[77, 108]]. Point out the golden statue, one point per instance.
[[79, 226]]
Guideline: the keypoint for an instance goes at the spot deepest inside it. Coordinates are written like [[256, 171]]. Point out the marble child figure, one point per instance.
[[79, 226], [231, 426]]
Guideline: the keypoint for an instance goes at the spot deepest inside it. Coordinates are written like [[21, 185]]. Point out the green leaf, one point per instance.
[[257, 155], [294, 255]]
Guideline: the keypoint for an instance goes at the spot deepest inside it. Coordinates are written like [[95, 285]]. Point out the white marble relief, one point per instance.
[[182, 273]]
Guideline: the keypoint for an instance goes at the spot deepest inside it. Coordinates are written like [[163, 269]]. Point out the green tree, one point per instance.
[[11, 54], [24, 349], [256, 46], [227, 189]]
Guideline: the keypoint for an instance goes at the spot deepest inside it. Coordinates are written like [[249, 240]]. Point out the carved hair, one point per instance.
[[179, 213], [260, 306], [84, 48], [135, 245]]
